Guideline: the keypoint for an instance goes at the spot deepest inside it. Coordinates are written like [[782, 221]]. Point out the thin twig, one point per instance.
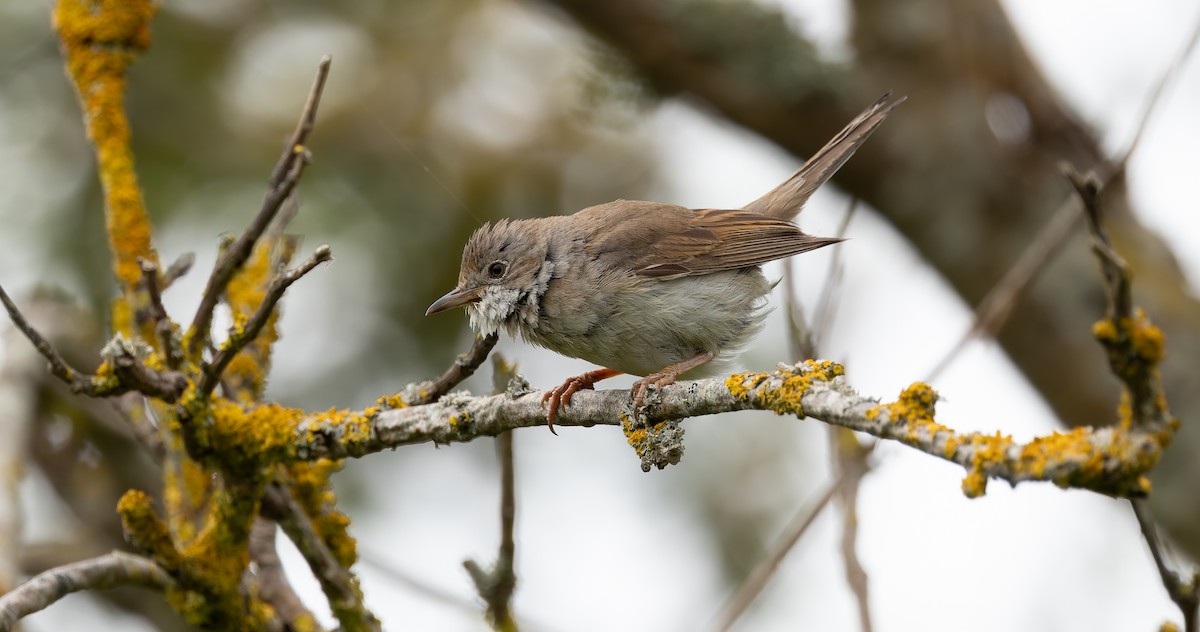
[[497, 585], [107, 571], [177, 269], [464, 367], [283, 180], [1116, 272], [758, 578], [77, 381], [825, 309], [157, 314], [853, 464], [1183, 593], [1157, 93], [238, 340], [337, 582], [993, 311]]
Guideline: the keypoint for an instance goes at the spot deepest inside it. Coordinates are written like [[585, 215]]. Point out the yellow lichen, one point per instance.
[[313, 490], [99, 39], [391, 402], [989, 452], [784, 398]]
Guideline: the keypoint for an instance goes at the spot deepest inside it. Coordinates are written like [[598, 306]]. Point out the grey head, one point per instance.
[[506, 268]]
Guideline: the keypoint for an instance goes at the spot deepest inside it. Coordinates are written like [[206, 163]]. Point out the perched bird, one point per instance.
[[644, 288]]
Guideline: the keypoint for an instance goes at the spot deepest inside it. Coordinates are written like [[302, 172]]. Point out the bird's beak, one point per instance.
[[454, 298]]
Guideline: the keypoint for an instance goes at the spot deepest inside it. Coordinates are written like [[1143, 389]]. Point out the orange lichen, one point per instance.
[[989, 452], [100, 39]]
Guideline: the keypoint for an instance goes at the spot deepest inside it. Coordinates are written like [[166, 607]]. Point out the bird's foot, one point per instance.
[[560, 395], [641, 388], [665, 377]]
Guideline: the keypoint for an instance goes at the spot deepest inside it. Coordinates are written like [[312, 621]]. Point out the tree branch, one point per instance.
[[464, 367], [107, 571], [337, 582], [245, 335], [283, 180], [1183, 593], [1108, 460]]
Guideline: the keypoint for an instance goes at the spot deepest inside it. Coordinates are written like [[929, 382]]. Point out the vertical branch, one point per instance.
[[100, 40], [497, 585]]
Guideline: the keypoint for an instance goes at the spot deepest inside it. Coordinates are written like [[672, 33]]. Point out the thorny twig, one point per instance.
[[283, 180], [239, 339]]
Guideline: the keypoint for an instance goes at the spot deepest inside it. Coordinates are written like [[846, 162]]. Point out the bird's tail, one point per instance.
[[786, 200]]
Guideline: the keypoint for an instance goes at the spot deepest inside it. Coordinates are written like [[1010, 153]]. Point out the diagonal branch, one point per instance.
[[1183, 592], [464, 367], [107, 571], [737, 604], [337, 582], [283, 180], [244, 335]]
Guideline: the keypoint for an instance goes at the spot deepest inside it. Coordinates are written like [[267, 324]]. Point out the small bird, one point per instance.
[[644, 288]]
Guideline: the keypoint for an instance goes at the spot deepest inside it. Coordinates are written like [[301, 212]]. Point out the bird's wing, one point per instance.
[[667, 241]]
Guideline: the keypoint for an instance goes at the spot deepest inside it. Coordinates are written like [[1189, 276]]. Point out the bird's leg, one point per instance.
[[665, 377], [561, 395]]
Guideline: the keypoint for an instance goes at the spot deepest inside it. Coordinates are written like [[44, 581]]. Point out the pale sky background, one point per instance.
[[599, 545]]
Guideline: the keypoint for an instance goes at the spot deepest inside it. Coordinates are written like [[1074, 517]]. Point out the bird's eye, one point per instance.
[[496, 269]]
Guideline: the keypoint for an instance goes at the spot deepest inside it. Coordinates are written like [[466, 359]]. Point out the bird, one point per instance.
[[644, 288]]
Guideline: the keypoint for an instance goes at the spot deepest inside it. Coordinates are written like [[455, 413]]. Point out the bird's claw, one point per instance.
[[641, 388]]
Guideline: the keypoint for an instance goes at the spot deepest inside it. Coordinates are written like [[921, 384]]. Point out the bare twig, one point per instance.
[[497, 585], [107, 571], [131, 373], [750, 589], [177, 269], [77, 381], [337, 582], [1116, 272], [464, 367], [993, 311], [158, 314], [1183, 593], [853, 464], [239, 339], [825, 309], [1156, 94], [283, 180]]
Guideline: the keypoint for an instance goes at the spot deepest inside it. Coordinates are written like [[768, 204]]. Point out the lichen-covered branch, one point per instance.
[[106, 571], [284, 177], [100, 39], [1110, 460]]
